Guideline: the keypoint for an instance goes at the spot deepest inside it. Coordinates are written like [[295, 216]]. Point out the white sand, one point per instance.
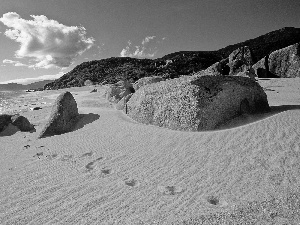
[[113, 170]]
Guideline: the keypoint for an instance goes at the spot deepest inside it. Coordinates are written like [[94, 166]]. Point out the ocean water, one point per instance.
[[8, 99]]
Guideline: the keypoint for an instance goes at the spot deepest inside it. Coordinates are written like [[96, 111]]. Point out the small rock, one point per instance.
[[21, 122]]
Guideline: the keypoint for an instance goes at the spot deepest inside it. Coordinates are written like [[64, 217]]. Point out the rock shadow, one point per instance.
[[82, 120], [85, 119], [11, 130], [251, 118]]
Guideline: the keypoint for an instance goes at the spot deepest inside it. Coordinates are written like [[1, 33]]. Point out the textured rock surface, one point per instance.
[[261, 68], [116, 92], [146, 80], [281, 63], [21, 122], [250, 73], [63, 116], [240, 60], [285, 62], [122, 103], [238, 63], [217, 69], [4, 121], [196, 103]]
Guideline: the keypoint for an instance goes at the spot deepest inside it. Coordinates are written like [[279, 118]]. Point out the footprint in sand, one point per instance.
[[66, 157], [131, 182], [87, 154], [213, 200], [106, 171], [26, 146], [39, 154], [170, 190], [90, 166], [54, 155]]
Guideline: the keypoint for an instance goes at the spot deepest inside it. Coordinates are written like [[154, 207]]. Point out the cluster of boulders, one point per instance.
[[237, 63], [19, 122], [281, 63]]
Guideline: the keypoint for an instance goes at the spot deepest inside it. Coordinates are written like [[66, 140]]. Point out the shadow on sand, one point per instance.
[[11, 130], [82, 120], [85, 119], [248, 119]]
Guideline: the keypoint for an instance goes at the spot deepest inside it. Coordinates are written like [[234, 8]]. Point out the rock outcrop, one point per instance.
[[240, 60], [21, 122], [146, 80], [64, 116], [238, 63], [117, 91], [284, 63], [196, 103]]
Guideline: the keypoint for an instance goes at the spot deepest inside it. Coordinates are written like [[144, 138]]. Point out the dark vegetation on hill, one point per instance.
[[172, 65]]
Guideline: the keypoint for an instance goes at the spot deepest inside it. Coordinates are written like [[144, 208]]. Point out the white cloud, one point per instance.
[[15, 63], [48, 42], [34, 79], [148, 48]]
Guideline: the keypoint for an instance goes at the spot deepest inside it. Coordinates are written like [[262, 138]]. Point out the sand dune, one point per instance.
[[113, 170]]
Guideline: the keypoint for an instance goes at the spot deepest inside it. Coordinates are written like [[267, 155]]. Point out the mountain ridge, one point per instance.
[[172, 65]]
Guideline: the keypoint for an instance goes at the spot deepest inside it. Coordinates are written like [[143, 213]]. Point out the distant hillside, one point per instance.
[[17, 87], [172, 65]]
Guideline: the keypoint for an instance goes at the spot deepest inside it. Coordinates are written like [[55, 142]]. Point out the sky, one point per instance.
[[44, 39]]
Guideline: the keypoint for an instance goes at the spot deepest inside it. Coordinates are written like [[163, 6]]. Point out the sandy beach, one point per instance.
[[113, 170]]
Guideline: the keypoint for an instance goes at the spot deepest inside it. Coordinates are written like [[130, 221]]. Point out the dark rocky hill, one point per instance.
[[172, 65]]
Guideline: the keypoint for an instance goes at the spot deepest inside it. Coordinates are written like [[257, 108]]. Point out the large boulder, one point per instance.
[[240, 60], [146, 80], [21, 122], [117, 91], [196, 103], [284, 62], [64, 116], [5, 119]]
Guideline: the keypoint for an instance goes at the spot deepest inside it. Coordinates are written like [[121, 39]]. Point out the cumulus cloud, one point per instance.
[[48, 42], [148, 48], [34, 79]]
